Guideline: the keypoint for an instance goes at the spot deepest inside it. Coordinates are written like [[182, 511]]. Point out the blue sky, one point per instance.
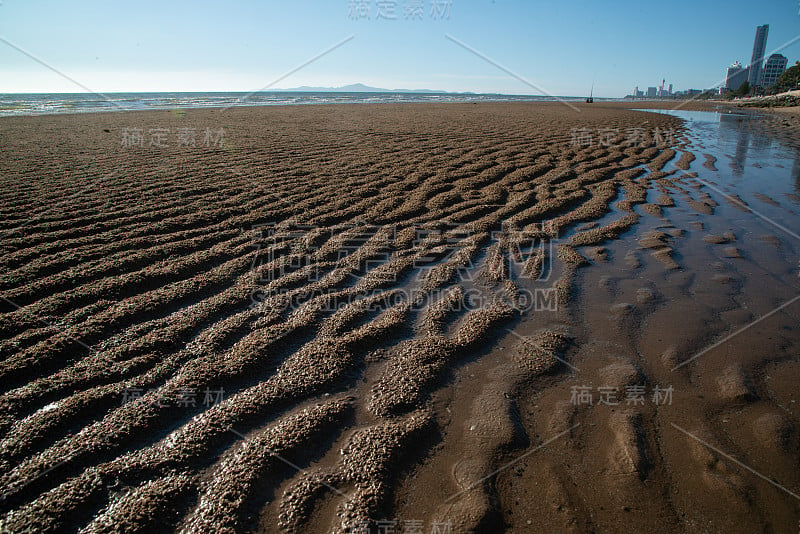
[[560, 46]]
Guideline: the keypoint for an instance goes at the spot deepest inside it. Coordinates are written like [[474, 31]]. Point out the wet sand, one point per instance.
[[481, 317]]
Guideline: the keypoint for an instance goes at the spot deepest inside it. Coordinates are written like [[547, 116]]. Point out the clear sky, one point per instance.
[[561, 46]]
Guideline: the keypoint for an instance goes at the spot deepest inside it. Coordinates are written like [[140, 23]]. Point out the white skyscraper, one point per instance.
[[735, 76]]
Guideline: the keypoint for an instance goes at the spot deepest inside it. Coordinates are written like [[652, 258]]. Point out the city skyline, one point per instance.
[[559, 49], [761, 71]]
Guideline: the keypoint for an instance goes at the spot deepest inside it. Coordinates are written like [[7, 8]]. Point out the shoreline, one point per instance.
[[513, 99], [291, 99]]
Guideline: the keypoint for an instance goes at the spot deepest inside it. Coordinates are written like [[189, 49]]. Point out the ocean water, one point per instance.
[[42, 103]]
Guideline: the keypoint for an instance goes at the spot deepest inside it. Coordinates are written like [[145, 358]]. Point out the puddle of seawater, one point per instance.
[[748, 158]]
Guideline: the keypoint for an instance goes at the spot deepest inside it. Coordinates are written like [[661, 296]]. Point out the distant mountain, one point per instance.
[[357, 88]]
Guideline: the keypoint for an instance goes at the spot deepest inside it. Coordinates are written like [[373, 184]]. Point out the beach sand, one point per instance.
[[304, 318]]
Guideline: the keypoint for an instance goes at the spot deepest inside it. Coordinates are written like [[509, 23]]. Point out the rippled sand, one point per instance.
[[309, 318]]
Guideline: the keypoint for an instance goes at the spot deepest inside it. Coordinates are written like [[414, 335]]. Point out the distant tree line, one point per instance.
[[789, 80]]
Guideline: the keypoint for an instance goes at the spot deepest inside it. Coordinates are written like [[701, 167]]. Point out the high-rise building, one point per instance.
[[757, 60], [669, 92], [651, 92], [735, 76], [775, 66]]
